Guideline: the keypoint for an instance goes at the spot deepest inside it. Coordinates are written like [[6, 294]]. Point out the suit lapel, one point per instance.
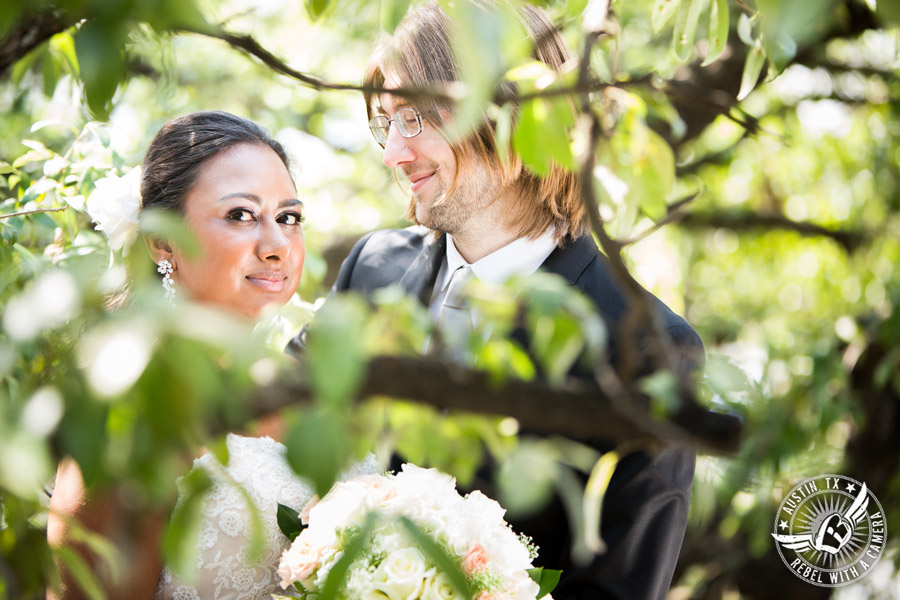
[[418, 280], [572, 258]]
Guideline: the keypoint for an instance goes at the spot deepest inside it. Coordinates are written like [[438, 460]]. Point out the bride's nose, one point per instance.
[[273, 243]]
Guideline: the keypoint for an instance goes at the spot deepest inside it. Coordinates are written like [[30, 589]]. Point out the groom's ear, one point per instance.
[[159, 248]]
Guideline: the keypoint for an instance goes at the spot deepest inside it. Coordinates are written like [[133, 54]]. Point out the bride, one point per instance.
[[231, 183]]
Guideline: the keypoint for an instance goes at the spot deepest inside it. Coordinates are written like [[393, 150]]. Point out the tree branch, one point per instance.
[[32, 31], [577, 410], [32, 212], [746, 220]]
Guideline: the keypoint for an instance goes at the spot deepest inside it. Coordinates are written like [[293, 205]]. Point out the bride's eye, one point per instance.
[[291, 218], [240, 214]]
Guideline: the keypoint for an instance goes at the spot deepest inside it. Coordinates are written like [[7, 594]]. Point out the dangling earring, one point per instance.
[[165, 269]]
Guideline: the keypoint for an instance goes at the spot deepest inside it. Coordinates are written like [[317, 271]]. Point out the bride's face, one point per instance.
[[245, 216]]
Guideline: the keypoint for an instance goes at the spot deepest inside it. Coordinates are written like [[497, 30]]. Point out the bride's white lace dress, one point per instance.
[[222, 569]]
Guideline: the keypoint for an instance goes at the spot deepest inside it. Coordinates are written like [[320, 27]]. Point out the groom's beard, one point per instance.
[[450, 214]]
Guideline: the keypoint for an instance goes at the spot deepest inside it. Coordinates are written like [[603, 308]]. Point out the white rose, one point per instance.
[[114, 205], [373, 594], [400, 575], [439, 587]]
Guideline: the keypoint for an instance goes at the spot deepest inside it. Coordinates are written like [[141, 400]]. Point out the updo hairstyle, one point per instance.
[[184, 144]]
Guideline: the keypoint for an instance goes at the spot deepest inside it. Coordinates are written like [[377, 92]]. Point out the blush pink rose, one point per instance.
[[298, 562], [475, 560], [304, 512]]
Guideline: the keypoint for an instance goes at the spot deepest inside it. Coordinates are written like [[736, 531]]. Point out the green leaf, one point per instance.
[[594, 491], [662, 12], [443, 561], [353, 549], [109, 556], [100, 49], [8, 235], [724, 376], [662, 387], [392, 12], [316, 447], [526, 476], [541, 137], [24, 64], [51, 74], [171, 15], [756, 58], [686, 29], [502, 132], [656, 171], [316, 8], [180, 540], [487, 41], [334, 353], [62, 45], [289, 521], [547, 579], [718, 31], [889, 12], [575, 7], [745, 29], [80, 572]]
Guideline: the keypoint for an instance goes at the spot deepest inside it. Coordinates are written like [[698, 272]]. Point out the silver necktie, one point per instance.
[[455, 317]]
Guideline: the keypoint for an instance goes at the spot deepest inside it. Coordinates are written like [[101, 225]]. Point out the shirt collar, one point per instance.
[[521, 257]]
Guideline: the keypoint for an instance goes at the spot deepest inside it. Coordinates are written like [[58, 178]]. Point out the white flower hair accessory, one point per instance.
[[114, 206]]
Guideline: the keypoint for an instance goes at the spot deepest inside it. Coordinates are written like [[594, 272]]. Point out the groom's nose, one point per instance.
[[398, 150]]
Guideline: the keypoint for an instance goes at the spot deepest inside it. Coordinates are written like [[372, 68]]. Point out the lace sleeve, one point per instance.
[[257, 471]]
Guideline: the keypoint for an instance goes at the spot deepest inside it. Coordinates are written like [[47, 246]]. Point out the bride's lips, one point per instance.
[[420, 179], [270, 281]]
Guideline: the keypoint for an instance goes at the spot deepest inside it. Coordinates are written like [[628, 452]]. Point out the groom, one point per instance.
[[493, 220]]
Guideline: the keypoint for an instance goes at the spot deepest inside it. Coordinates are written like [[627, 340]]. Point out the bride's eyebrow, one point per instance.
[[255, 199]]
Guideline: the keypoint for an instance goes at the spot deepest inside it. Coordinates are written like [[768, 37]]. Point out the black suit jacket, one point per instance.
[[646, 504]]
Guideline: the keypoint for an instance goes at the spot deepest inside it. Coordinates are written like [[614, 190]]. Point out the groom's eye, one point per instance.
[[240, 214]]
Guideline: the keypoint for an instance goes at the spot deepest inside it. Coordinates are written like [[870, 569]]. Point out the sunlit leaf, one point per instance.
[[718, 30], [745, 29], [662, 13], [686, 28], [392, 12], [528, 138], [594, 492], [316, 8], [575, 7], [756, 58], [63, 44]]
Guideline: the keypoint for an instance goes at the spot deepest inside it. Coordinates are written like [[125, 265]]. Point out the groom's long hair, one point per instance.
[[420, 55]]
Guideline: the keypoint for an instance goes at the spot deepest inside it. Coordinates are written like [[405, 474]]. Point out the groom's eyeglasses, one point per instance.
[[407, 120]]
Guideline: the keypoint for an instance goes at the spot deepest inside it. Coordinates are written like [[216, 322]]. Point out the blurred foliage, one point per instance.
[[802, 330]]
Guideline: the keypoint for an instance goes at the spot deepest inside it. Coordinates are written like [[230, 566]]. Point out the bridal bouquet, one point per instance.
[[410, 536]]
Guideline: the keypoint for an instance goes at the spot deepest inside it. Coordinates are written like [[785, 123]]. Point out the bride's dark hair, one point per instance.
[[184, 144]]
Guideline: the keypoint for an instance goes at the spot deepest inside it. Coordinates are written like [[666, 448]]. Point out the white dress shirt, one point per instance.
[[521, 257]]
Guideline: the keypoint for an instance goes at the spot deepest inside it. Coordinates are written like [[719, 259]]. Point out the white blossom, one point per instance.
[[114, 205]]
